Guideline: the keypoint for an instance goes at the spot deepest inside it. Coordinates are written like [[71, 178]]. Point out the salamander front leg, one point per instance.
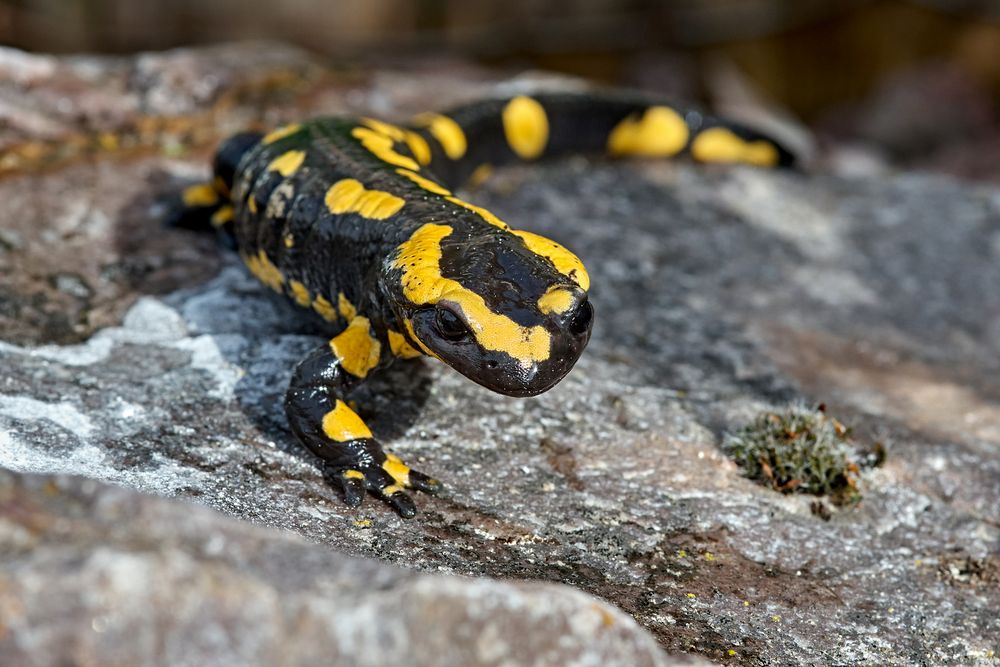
[[322, 420]]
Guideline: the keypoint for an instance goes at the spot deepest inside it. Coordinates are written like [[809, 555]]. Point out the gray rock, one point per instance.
[[94, 575], [719, 293]]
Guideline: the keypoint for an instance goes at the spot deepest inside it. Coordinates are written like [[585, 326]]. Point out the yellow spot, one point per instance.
[[342, 424], [381, 147], [281, 133], [418, 146], [200, 195], [350, 196], [388, 129], [300, 293], [399, 471], [660, 132], [356, 349], [261, 266], [709, 556], [556, 300], [363, 523], [419, 259], [252, 204], [479, 175], [354, 474], [482, 212], [565, 262], [287, 163], [400, 347], [325, 309], [682, 554], [731, 652], [391, 489], [425, 183], [222, 216], [345, 307], [447, 132], [289, 241], [746, 603], [776, 618], [526, 127], [717, 144], [692, 595]]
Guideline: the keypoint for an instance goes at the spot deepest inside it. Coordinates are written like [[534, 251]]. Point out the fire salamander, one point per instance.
[[358, 220]]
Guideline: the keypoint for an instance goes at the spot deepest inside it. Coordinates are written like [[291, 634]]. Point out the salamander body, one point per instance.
[[357, 220]]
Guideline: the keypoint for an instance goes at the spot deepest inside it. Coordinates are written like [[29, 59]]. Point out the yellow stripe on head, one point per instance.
[[526, 127], [556, 300], [480, 211], [447, 132], [659, 132], [565, 262], [717, 144], [419, 260]]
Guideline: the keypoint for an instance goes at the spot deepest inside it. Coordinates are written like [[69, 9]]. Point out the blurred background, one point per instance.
[[914, 82]]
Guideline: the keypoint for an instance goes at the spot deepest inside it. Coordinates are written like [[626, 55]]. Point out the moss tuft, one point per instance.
[[804, 451]]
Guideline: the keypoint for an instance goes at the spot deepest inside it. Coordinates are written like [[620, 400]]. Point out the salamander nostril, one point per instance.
[[491, 364], [579, 322]]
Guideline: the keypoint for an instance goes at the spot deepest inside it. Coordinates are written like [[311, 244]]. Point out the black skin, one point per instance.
[[334, 254]]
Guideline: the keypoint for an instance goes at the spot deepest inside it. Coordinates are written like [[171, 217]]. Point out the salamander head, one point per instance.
[[507, 309]]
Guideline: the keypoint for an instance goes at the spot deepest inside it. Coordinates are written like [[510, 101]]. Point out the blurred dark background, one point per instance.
[[918, 81]]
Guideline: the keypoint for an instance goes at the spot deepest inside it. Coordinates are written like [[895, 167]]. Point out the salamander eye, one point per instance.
[[450, 325]]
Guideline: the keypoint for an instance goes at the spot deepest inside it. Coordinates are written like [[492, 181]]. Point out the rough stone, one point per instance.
[[719, 293], [96, 575]]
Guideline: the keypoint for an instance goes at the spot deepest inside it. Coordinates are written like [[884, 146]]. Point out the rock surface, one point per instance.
[[95, 575], [719, 293]]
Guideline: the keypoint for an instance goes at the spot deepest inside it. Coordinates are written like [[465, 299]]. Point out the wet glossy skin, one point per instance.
[[357, 220]]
